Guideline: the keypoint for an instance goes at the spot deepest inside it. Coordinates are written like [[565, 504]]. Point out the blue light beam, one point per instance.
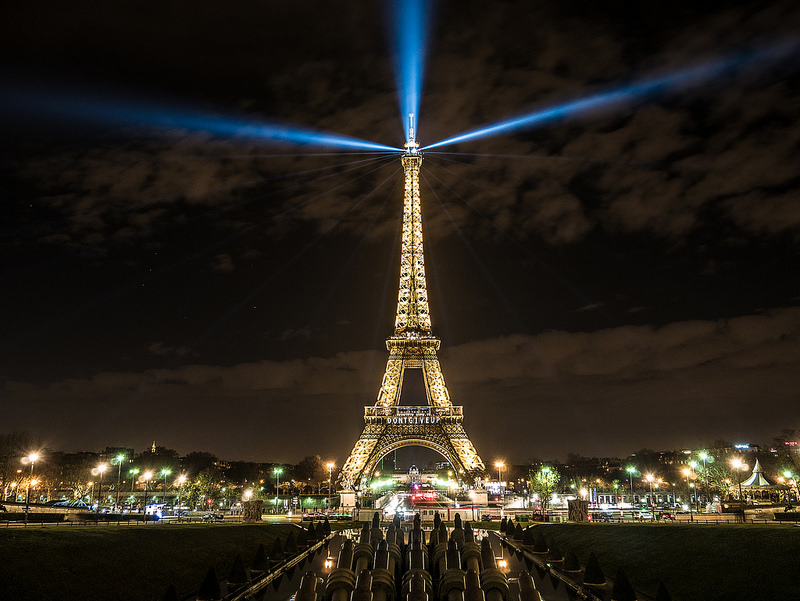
[[408, 32], [662, 85], [111, 111]]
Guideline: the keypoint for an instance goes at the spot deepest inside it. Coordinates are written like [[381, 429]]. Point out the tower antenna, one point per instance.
[[412, 148]]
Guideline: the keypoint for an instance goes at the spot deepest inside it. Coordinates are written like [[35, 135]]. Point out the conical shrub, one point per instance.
[[555, 553], [518, 531], [277, 549], [663, 594], [539, 544], [571, 563], [326, 526], [622, 589], [238, 574], [171, 594], [260, 560], [209, 589], [527, 536], [593, 574], [290, 547]]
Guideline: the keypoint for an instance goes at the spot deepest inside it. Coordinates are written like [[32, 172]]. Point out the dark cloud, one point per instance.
[[624, 276], [722, 365]]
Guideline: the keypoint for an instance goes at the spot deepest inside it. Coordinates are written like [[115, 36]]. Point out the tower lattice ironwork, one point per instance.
[[388, 425]]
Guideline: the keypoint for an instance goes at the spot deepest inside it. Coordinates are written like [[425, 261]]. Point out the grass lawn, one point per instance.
[[695, 562], [123, 563]]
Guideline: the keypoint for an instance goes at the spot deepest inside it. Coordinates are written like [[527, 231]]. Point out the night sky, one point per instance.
[[603, 282]]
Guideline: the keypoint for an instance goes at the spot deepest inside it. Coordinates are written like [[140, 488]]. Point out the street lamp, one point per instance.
[[739, 465], [687, 472], [99, 470], [791, 481], [119, 458], [147, 476], [704, 456], [181, 481], [499, 466], [694, 496], [30, 458], [331, 465], [165, 472], [133, 473], [650, 478], [277, 471], [631, 471]]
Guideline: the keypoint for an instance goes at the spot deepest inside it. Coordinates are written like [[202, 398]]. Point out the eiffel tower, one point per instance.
[[388, 425]]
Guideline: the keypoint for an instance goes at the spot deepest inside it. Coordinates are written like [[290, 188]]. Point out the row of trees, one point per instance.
[[708, 474], [121, 476]]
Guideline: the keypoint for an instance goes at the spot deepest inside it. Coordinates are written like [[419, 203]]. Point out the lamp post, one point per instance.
[[133, 473], [147, 476], [739, 465], [499, 466], [100, 470], [181, 480], [331, 465], [687, 472], [277, 471], [30, 458], [704, 456], [119, 459], [650, 478], [165, 472], [693, 495], [631, 471], [791, 481]]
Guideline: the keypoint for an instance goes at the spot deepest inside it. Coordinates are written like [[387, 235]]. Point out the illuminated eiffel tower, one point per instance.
[[388, 425]]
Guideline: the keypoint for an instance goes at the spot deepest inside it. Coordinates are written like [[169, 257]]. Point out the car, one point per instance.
[[212, 517], [666, 515], [644, 514]]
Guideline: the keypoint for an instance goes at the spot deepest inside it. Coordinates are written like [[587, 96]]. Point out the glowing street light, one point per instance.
[[119, 459], [739, 465], [165, 472], [704, 457], [688, 472], [331, 465], [499, 465], [791, 482], [181, 481], [631, 471], [99, 470], [30, 458], [147, 476], [650, 478], [277, 471], [133, 472]]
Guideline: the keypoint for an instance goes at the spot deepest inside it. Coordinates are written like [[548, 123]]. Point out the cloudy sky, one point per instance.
[[610, 280]]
